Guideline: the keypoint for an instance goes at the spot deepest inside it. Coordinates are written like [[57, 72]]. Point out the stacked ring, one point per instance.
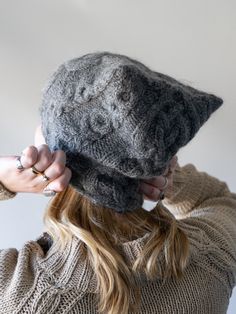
[[46, 192], [35, 171]]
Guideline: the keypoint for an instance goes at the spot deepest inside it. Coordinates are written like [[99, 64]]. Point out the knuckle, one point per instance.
[[29, 148], [152, 192], [68, 172], [29, 153], [58, 168], [61, 153], [43, 147], [44, 150], [45, 162], [45, 158], [156, 195], [30, 160], [61, 186]]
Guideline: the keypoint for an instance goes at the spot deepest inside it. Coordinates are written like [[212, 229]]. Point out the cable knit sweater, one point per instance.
[[39, 279]]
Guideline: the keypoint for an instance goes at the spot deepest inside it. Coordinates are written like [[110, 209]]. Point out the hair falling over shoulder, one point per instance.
[[101, 230]]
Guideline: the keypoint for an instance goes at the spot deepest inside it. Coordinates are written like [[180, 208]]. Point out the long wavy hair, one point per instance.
[[102, 230]]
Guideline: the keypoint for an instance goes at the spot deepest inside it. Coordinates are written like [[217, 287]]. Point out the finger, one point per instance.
[[44, 158], [149, 191], [157, 182], [29, 156], [58, 165], [167, 170], [145, 197], [171, 166], [173, 162], [38, 137], [56, 169], [60, 183]]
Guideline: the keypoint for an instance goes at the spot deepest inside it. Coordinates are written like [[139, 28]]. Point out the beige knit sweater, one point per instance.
[[34, 282]]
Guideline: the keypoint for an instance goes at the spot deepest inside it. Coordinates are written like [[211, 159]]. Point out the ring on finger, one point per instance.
[[49, 193], [45, 178], [35, 171], [19, 164], [166, 183], [162, 195]]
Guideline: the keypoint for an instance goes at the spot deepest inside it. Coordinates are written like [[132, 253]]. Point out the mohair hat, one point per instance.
[[118, 122]]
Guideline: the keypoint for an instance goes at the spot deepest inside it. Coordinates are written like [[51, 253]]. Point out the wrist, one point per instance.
[[5, 192]]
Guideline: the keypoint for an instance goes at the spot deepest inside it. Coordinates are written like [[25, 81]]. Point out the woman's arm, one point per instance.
[[204, 202]]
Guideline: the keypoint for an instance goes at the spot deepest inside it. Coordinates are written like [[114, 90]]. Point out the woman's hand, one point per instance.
[[151, 188], [52, 164]]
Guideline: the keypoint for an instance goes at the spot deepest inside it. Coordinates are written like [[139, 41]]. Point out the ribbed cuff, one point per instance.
[[5, 193]]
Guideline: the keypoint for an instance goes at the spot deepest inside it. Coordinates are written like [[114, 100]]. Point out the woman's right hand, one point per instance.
[[151, 188], [51, 163]]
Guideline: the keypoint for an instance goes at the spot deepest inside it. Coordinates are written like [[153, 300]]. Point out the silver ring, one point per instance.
[[19, 164], [166, 184]]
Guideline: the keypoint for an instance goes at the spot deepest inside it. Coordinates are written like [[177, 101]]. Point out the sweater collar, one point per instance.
[[69, 268]]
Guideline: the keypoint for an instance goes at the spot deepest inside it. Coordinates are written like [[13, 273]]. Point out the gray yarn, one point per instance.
[[118, 122]]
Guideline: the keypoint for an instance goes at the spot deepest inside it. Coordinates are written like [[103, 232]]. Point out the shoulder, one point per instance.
[[17, 265]]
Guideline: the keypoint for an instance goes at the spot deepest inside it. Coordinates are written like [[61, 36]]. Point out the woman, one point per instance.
[[110, 132]]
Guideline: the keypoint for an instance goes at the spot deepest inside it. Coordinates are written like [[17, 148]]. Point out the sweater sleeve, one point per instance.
[[5, 193], [191, 188], [205, 203]]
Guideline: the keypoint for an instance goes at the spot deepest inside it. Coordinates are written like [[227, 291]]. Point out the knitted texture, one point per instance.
[[5, 193], [64, 282], [118, 122]]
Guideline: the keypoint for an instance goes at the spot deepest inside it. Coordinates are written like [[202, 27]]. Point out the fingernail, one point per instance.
[[49, 193]]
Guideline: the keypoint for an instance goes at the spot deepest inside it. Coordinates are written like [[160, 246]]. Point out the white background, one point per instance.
[[193, 41]]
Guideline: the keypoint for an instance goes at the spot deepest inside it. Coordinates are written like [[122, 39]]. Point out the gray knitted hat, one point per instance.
[[118, 122]]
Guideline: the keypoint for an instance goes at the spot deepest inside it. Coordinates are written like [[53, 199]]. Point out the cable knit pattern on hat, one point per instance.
[[118, 121]]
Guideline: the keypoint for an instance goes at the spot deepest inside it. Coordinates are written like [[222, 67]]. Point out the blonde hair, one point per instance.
[[102, 230]]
